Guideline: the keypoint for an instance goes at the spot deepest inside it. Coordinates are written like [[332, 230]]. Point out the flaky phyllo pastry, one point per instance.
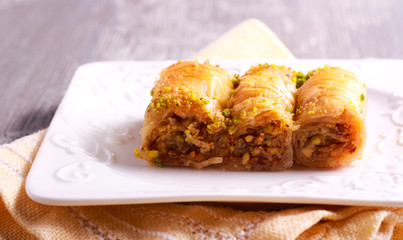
[[201, 115], [184, 119], [262, 120], [330, 112]]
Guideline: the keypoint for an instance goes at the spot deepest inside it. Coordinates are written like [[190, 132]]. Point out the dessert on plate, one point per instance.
[[261, 109], [330, 111], [267, 119]]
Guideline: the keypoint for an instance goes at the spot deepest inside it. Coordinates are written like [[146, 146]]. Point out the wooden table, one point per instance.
[[42, 42]]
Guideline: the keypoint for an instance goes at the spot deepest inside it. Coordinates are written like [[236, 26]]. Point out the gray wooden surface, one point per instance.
[[42, 42]]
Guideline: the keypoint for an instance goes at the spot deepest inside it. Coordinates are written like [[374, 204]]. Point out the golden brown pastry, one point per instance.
[[331, 110], [262, 120], [185, 117]]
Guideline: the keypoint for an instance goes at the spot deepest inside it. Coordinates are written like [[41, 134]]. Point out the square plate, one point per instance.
[[86, 157]]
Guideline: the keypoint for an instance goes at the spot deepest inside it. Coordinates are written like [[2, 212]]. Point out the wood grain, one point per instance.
[[42, 42]]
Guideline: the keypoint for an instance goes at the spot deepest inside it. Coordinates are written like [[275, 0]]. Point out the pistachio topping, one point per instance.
[[226, 112], [136, 153], [243, 113], [153, 154], [193, 96], [158, 163], [362, 97], [236, 120], [299, 79], [235, 81], [204, 101], [166, 89]]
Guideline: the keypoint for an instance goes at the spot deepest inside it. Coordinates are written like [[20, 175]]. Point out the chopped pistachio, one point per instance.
[[235, 81], [166, 89], [153, 154], [254, 110], [152, 92], [226, 112], [193, 96], [136, 153], [299, 78], [362, 97], [311, 112], [204, 101], [158, 163]]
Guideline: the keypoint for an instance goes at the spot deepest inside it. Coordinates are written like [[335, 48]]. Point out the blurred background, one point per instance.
[[42, 42]]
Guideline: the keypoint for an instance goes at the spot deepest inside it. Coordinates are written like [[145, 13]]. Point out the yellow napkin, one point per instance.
[[249, 40], [22, 218]]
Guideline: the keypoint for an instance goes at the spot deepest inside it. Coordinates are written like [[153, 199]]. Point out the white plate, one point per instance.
[[87, 157]]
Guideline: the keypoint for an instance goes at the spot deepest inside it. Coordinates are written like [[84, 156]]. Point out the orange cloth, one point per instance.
[[22, 218]]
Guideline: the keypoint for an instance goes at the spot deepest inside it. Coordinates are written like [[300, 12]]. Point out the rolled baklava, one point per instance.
[[184, 119], [330, 112], [261, 111]]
